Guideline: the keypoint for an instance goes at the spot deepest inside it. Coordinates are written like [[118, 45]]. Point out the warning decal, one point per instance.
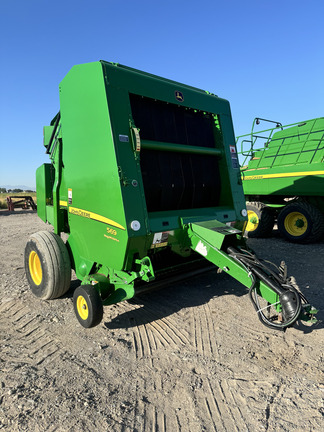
[[160, 239], [232, 149]]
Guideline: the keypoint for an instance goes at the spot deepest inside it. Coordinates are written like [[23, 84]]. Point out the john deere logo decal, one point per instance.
[[179, 96]]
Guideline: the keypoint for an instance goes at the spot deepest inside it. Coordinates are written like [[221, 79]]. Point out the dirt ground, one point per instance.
[[192, 357]]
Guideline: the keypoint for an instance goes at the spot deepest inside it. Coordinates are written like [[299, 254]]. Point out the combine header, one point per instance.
[[143, 179]]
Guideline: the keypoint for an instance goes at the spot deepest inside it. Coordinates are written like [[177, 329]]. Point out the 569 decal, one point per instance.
[[111, 231]]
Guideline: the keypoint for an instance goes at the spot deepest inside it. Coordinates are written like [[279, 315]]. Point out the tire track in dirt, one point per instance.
[[168, 323], [245, 396], [141, 335], [233, 403], [151, 408], [36, 345], [204, 337], [222, 409], [151, 331], [276, 405], [212, 334], [144, 417], [143, 342]]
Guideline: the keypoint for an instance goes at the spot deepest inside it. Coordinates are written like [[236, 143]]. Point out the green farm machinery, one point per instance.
[[283, 179], [143, 182]]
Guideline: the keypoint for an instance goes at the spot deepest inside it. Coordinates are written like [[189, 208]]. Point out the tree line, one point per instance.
[[4, 190]]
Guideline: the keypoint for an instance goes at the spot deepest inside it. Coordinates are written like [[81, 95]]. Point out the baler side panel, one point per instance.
[[127, 160], [44, 187], [90, 183]]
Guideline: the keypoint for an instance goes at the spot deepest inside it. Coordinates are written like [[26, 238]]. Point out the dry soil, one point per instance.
[[192, 357]]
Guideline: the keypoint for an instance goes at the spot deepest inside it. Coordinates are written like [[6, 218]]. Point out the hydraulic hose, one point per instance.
[[290, 299]]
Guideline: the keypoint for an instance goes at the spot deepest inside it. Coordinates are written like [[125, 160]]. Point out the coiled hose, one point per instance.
[[290, 298]]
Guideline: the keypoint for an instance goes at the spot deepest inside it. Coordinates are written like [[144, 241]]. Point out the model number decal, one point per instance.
[[111, 231]]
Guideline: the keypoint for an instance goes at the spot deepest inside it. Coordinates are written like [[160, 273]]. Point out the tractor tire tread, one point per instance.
[[316, 217], [58, 263], [266, 218], [63, 262]]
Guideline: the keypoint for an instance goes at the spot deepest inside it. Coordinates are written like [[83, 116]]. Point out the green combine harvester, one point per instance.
[[283, 179], [144, 181]]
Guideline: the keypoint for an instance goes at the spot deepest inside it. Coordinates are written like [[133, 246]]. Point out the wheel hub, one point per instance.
[[253, 221], [299, 223], [82, 307], [35, 268], [296, 224]]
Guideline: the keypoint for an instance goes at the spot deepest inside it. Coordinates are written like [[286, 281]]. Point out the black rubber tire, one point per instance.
[[54, 277], [266, 219], [87, 296], [315, 222]]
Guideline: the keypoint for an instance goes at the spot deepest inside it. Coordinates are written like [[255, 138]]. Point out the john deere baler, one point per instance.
[[143, 178]]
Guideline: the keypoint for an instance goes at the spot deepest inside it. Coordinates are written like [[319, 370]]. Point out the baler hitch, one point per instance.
[[291, 304], [283, 303]]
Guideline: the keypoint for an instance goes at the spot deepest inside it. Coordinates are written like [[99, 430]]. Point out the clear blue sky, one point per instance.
[[265, 56]]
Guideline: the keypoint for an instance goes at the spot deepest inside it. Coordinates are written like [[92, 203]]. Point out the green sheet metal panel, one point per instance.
[[44, 186], [90, 182], [292, 163]]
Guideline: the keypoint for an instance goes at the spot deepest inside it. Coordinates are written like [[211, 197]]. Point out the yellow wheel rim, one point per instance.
[[82, 307], [35, 268], [296, 224], [253, 221]]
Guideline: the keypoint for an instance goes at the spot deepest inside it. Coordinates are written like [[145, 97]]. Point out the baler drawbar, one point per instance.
[[144, 183]]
